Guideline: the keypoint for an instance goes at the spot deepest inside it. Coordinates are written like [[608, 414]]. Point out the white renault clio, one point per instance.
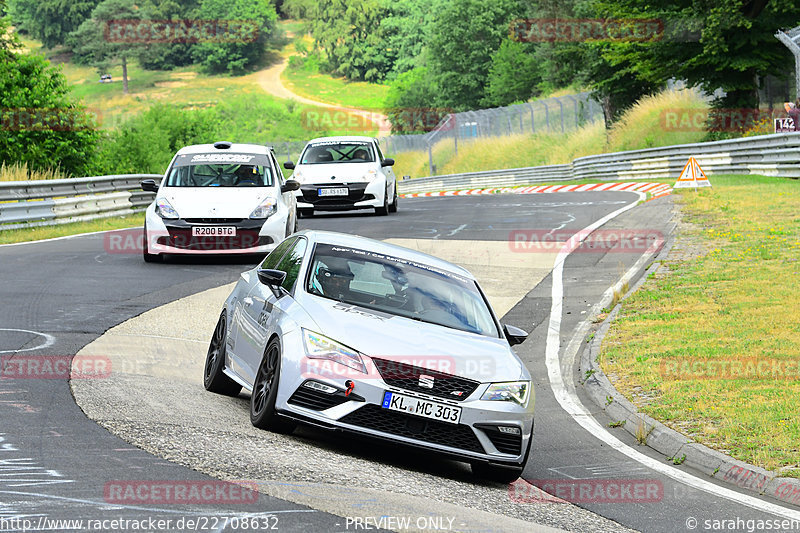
[[219, 198], [343, 174]]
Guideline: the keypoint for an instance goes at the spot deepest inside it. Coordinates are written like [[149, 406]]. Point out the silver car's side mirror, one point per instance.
[[514, 334]]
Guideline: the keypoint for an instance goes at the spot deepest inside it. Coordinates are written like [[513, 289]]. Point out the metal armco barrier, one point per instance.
[[48, 202], [769, 155]]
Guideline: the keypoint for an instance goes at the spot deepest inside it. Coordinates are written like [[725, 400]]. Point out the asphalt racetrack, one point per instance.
[[149, 420]]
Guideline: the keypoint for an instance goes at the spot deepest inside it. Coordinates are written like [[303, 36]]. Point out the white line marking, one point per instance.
[[49, 340], [573, 406], [65, 237]]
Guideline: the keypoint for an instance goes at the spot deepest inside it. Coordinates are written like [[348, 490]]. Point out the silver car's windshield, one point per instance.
[[399, 287], [327, 152]]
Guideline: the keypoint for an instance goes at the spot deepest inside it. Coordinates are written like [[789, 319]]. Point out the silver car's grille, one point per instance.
[[374, 417], [405, 376]]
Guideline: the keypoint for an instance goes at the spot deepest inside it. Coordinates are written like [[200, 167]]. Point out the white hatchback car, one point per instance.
[[220, 198], [343, 174]]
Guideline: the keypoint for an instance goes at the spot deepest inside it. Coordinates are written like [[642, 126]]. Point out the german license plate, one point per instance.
[[419, 407], [334, 191], [213, 231]]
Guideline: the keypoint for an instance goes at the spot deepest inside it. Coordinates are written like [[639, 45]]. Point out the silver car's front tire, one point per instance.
[[265, 391]]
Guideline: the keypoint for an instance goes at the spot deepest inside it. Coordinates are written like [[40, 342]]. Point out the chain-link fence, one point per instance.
[[552, 115]]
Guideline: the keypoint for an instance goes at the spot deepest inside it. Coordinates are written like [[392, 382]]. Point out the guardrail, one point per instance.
[[49, 202], [770, 155]]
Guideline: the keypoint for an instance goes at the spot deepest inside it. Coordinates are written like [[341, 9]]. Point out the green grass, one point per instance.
[[735, 304], [9, 236], [337, 91]]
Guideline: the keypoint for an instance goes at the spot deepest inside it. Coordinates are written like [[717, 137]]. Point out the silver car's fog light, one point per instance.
[[317, 386], [321, 347], [512, 391]]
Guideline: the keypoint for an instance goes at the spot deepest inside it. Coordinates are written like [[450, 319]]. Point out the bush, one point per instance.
[[235, 56], [41, 126], [147, 142]]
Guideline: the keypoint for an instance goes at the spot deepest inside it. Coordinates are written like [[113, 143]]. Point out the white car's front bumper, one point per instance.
[[361, 195], [174, 236]]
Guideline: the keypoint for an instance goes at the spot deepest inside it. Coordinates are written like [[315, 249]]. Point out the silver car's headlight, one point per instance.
[[266, 209], [165, 210], [512, 391], [321, 347]]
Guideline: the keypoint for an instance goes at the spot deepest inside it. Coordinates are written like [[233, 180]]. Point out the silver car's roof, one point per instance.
[[363, 243], [237, 148]]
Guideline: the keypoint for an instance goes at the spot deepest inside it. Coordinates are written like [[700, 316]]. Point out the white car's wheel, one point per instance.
[[384, 209], [393, 205]]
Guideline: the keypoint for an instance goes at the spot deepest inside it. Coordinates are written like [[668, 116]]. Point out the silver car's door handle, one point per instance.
[[248, 301]]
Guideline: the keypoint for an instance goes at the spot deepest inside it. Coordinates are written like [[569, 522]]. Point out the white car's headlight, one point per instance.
[[165, 210], [265, 209], [370, 175], [297, 175], [512, 391], [321, 347]]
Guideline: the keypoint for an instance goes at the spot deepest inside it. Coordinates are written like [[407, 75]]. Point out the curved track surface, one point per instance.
[[57, 463]]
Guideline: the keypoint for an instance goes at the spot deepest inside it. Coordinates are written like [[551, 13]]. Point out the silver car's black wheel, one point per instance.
[[265, 391], [214, 379]]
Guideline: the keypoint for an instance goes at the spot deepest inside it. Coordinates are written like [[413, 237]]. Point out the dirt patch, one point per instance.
[[170, 84]]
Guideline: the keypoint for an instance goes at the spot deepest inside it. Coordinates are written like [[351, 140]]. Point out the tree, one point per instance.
[[41, 126], [465, 35], [409, 102], [347, 31], [9, 42], [728, 45], [50, 21], [513, 75], [95, 43], [167, 55], [234, 55]]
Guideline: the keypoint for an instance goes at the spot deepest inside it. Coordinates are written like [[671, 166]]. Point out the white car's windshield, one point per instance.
[[220, 170], [337, 152], [399, 287]]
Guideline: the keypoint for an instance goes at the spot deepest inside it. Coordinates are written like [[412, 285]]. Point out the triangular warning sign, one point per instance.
[[692, 176]]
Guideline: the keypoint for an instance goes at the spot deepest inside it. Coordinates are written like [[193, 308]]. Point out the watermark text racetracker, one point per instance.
[[22, 366], [688, 368], [151, 31], [178, 492], [598, 241], [610, 490]]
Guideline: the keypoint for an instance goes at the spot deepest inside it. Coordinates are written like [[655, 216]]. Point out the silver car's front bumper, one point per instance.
[[476, 437]]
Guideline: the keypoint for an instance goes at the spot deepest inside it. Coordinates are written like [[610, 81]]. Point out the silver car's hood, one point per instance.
[[377, 334]]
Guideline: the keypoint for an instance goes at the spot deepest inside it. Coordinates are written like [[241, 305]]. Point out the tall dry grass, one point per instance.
[[21, 172], [649, 123]]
